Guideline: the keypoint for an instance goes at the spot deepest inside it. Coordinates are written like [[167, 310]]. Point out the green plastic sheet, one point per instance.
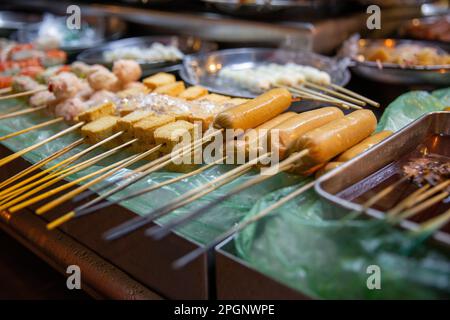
[[307, 245]]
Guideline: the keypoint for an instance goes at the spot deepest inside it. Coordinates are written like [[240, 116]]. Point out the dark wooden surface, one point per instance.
[[25, 276]]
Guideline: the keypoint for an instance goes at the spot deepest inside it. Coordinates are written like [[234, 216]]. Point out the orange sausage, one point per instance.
[[251, 138], [326, 142], [256, 111], [292, 129], [364, 145]]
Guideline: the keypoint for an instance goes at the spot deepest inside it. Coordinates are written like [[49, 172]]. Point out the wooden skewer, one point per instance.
[[335, 93], [21, 112], [37, 126], [140, 221], [182, 200], [41, 163], [66, 186], [435, 223], [55, 178], [18, 154], [22, 94], [317, 97], [5, 90], [354, 94], [150, 168], [52, 204], [374, 199], [160, 232], [349, 104], [383, 193], [417, 197], [407, 202], [62, 164], [181, 262], [142, 169], [424, 205], [149, 189]]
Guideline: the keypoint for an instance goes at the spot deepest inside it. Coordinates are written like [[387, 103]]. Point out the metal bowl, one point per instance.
[[395, 73], [203, 69], [187, 45], [11, 21], [105, 28], [257, 8], [405, 30]]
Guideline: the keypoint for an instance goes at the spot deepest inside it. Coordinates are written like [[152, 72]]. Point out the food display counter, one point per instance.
[[207, 150]]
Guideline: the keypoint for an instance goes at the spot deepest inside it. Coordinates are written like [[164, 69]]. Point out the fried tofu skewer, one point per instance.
[[142, 172]]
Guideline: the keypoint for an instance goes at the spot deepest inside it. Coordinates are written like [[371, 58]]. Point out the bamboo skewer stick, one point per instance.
[[21, 112], [41, 163], [62, 164], [317, 97], [66, 186], [54, 203], [81, 210], [18, 154], [349, 104], [22, 94], [354, 94], [52, 179], [149, 189], [335, 93], [424, 205], [407, 202], [145, 167], [383, 193], [70, 215], [37, 126], [181, 262], [435, 223], [416, 197], [182, 200], [164, 230], [5, 90], [159, 232]]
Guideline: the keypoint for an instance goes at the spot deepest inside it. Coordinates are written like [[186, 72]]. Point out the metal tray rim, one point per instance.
[[409, 225]]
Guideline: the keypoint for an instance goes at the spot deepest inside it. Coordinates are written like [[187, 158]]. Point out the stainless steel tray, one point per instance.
[[236, 279], [202, 69], [186, 44], [331, 185], [105, 28], [394, 73], [11, 21]]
